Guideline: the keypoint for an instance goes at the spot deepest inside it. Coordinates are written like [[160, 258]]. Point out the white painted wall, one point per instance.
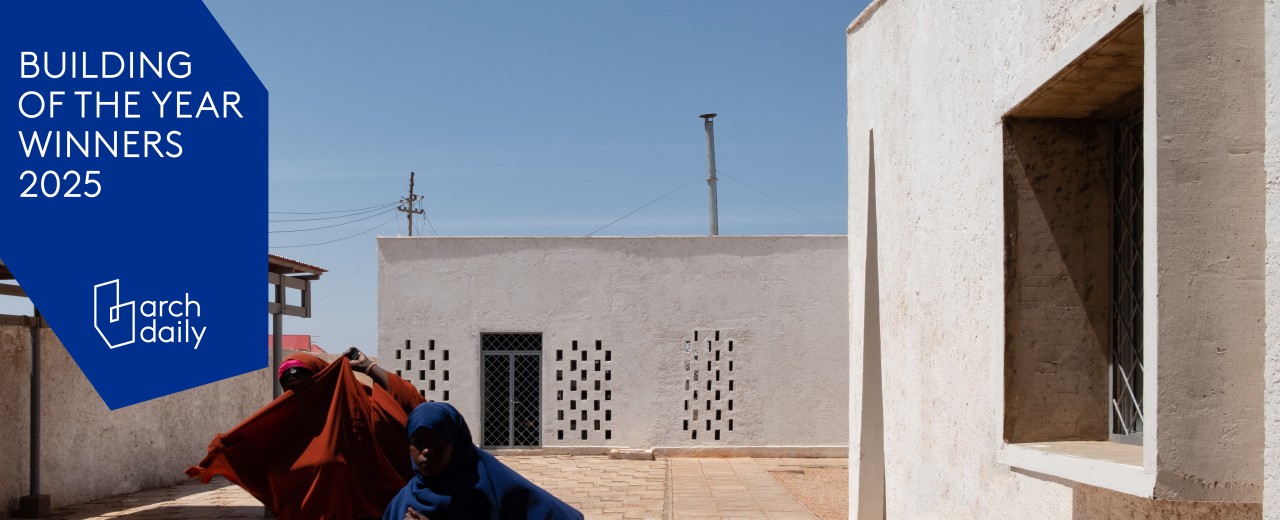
[[1271, 486], [937, 167], [781, 300], [928, 83]]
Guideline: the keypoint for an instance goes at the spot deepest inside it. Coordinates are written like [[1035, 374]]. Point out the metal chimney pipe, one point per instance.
[[709, 125]]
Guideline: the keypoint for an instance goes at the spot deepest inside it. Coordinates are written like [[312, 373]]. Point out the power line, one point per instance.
[[334, 225], [344, 281], [325, 212], [644, 206], [393, 217], [387, 205], [428, 219], [678, 206], [348, 278], [783, 204]]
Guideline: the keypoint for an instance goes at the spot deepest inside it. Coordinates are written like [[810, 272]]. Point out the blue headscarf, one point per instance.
[[474, 484]]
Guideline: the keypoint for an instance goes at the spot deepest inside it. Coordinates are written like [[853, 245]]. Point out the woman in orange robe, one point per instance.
[[328, 448]]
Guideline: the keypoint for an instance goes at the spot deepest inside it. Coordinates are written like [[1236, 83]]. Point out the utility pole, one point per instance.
[[709, 125], [407, 204]]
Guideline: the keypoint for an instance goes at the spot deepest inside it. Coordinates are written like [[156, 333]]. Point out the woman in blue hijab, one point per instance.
[[455, 479]]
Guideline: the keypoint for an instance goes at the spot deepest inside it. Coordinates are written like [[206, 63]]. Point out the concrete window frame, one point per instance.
[[1202, 352]]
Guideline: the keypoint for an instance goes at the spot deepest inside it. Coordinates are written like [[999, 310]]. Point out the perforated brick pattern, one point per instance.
[[709, 368], [583, 386]]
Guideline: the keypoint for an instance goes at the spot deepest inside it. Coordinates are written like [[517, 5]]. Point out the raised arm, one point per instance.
[[402, 391]]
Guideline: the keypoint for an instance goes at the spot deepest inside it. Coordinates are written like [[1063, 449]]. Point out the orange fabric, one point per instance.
[[333, 449]]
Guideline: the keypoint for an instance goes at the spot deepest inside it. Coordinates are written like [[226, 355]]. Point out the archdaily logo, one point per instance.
[[168, 322]]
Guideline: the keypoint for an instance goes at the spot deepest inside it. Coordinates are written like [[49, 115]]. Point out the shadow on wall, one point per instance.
[[1091, 503], [871, 486]]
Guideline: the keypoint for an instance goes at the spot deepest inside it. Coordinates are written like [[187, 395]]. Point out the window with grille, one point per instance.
[[1126, 280]]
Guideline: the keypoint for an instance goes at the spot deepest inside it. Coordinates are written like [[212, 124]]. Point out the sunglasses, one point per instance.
[[294, 374]]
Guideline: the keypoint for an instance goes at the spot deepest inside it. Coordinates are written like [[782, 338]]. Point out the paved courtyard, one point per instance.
[[598, 486]]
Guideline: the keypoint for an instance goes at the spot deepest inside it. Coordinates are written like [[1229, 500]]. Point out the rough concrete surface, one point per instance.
[[1099, 504], [929, 83], [1271, 459]]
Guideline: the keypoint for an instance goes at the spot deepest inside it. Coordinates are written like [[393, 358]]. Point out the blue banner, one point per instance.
[[134, 202]]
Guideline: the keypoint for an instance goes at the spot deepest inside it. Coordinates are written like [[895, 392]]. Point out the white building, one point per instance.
[[1058, 227], [683, 344]]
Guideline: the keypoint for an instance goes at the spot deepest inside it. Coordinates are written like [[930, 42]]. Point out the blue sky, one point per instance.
[[540, 119]]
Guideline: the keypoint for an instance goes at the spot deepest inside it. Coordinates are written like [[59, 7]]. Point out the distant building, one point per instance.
[[298, 343]]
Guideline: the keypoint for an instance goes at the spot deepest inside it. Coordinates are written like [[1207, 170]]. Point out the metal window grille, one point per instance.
[[511, 342], [512, 390], [1126, 281]]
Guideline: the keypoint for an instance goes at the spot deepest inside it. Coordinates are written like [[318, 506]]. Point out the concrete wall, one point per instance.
[[1058, 222], [1208, 147], [780, 300], [929, 83], [1271, 486], [88, 451]]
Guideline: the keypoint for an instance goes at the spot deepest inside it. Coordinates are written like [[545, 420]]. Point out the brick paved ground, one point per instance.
[[598, 486]]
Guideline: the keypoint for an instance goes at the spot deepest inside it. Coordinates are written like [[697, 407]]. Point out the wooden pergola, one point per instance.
[[284, 274]]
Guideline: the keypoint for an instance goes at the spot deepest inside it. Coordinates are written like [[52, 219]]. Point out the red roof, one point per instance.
[[296, 342]]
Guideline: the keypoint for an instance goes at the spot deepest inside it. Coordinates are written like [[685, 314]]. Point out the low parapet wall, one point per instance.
[[87, 451]]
